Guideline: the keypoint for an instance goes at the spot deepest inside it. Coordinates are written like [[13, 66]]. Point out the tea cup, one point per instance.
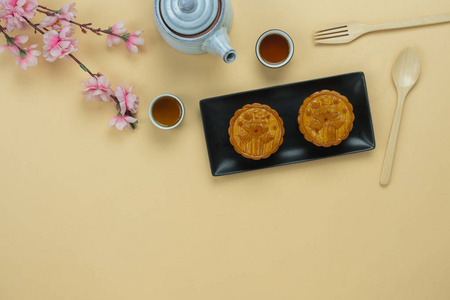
[[166, 111], [274, 48]]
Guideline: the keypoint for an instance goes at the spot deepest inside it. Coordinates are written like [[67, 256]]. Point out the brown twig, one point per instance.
[[36, 28], [127, 113], [84, 26], [9, 39], [46, 8]]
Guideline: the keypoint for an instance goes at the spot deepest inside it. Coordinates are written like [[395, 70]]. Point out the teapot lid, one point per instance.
[[189, 17]]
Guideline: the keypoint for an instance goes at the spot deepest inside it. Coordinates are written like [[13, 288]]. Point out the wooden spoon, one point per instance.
[[405, 73]]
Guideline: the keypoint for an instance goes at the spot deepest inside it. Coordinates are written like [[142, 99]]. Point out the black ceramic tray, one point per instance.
[[286, 100]]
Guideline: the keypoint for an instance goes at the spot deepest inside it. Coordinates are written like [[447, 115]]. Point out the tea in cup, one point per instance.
[[274, 48], [166, 111]]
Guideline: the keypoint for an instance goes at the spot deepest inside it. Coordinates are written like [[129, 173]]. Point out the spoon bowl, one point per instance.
[[405, 72], [406, 69]]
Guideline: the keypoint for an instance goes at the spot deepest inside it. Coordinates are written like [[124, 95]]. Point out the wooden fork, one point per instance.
[[345, 32]]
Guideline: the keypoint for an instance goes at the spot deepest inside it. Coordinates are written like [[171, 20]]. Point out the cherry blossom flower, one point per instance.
[[122, 122], [97, 89], [132, 40], [51, 21], [29, 58], [57, 29], [68, 11], [59, 44], [15, 13], [62, 18], [127, 100], [18, 40], [117, 29]]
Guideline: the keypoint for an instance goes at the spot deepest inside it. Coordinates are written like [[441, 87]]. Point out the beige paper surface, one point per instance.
[[89, 212]]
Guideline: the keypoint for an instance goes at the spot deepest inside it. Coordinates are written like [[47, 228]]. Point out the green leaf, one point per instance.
[[23, 53], [83, 67], [9, 41], [133, 126], [126, 36]]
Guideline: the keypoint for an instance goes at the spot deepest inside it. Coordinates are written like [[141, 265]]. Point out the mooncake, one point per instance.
[[256, 131], [326, 118]]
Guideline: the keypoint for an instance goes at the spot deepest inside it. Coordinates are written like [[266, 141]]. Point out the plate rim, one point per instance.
[[371, 146]]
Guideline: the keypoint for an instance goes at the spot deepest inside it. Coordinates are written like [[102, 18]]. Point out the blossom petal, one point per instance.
[[21, 39], [130, 119], [121, 123], [112, 122], [132, 48]]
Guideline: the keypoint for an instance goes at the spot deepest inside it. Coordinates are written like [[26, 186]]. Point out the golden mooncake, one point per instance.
[[256, 131], [326, 118]]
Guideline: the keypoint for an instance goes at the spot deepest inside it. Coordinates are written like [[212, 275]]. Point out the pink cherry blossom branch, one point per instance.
[[10, 40], [82, 66], [57, 29], [46, 8], [98, 31], [36, 29], [84, 26]]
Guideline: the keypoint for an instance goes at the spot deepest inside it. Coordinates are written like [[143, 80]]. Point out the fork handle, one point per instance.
[[435, 19]]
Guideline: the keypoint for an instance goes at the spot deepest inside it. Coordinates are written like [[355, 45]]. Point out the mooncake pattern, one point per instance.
[[256, 131], [326, 118]]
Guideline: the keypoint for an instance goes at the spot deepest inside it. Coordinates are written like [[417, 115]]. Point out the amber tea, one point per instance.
[[166, 111], [274, 48]]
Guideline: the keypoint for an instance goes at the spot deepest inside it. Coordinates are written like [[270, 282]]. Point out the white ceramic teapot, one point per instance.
[[196, 26]]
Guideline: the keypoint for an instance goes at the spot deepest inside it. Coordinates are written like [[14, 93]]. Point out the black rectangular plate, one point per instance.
[[286, 100]]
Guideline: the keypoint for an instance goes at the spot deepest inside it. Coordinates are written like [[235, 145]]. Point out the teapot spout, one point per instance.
[[219, 44]]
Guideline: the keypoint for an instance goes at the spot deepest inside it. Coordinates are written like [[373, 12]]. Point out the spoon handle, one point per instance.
[[390, 150]]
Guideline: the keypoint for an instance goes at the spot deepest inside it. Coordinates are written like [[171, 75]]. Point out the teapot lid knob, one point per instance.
[[187, 5], [189, 17]]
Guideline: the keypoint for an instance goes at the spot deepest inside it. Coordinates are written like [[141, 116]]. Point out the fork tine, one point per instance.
[[331, 36], [330, 32], [337, 33], [329, 29], [338, 39]]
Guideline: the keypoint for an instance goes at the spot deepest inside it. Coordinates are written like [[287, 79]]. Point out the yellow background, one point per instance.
[[90, 212]]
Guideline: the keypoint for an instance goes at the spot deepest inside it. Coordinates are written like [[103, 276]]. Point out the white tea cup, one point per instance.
[[166, 111], [274, 48]]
